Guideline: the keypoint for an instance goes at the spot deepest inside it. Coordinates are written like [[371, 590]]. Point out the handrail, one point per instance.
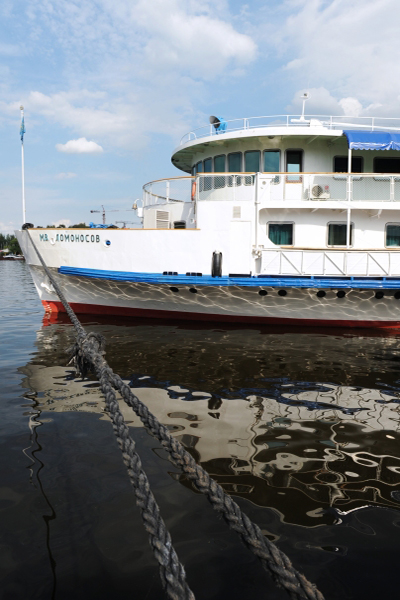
[[292, 120], [328, 267]]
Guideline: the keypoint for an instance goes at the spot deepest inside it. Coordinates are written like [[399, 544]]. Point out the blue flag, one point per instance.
[[22, 130]]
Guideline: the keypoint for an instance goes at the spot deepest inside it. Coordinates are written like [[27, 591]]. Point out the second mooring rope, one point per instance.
[[88, 354]]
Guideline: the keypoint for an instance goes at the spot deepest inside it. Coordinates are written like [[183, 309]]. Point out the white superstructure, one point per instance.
[[276, 219]]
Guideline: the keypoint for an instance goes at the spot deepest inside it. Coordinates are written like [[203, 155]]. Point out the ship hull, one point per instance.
[[203, 300]]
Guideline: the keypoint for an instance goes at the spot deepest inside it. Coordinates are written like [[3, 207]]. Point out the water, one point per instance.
[[300, 426]]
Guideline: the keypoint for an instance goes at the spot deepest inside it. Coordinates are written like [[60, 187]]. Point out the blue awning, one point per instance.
[[372, 140]]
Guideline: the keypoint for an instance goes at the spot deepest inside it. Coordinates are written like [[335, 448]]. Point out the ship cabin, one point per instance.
[[289, 195]]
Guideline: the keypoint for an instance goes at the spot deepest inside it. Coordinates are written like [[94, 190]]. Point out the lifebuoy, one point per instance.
[[193, 190]]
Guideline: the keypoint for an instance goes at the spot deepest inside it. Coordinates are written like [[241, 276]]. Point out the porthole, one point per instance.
[[341, 294], [107, 243], [379, 295], [174, 289], [397, 295], [282, 292], [193, 290], [263, 292], [321, 294]]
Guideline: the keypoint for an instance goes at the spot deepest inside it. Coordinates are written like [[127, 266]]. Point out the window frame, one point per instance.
[[386, 225], [209, 158], [342, 173], [385, 172], [241, 162], [300, 180], [263, 162], [244, 161], [340, 223], [219, 156], [292, 223]]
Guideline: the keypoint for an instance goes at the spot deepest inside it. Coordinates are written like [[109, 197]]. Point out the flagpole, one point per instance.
[[23, 165]]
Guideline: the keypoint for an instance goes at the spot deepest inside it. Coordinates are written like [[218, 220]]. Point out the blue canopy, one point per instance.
[[372, 140]]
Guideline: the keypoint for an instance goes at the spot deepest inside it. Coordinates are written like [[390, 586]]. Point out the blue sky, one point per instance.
[[110, 86]]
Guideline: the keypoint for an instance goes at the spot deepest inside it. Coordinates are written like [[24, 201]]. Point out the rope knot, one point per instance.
[[84, 350]]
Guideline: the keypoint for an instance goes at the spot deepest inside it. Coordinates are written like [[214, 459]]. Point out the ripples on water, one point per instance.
[[301, 426]]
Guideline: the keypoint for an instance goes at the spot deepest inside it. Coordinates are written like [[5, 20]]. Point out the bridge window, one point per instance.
[[235, 162], [393, 235], [281, 234], [219, 164], [271, 161], [252, 161], [340, 164], [208, 165], [337, 234], [294, 164], [387, 165], [199, 167]]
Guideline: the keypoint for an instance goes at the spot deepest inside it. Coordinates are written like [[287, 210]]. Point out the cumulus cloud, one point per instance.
[[342, 46], [65, 175], [80, 146], [66, 222]]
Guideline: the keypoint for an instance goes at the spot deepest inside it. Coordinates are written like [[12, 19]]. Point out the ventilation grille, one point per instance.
[[162, 219], [236, 213]]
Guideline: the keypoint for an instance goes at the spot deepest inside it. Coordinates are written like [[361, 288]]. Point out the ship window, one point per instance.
[[281, 234], [387, 165], [219, 164], [208, 165], [294, 164], [393, 234], [235, 162], [194, 170], [252, 161], [199, 167], [337, 234], [271, 161], [340, 164]]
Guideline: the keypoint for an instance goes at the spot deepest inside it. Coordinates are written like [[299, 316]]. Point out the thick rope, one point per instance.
[[273, 560], [88, 352]]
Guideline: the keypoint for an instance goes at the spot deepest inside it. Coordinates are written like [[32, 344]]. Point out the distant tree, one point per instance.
[[13, 246], [61, 226], [80, 226]]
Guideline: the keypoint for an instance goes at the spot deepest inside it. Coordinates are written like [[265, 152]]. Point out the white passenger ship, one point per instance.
[[280, 219]]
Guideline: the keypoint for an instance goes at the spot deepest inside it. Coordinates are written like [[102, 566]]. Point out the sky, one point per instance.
[[110, 86]]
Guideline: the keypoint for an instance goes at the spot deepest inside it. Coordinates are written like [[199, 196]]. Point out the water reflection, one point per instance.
[[304, 423]]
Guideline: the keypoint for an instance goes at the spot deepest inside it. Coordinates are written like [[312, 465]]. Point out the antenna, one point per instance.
[[304, 97]]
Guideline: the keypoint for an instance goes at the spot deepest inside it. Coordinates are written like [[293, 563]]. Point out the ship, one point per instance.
[[282, 219]]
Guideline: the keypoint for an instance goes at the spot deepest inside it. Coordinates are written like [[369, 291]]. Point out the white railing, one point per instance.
[[380, 263], [275, 187], [323, 187], [328, 121]]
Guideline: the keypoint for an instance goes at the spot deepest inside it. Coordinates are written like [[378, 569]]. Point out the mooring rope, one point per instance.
[[88, 355]]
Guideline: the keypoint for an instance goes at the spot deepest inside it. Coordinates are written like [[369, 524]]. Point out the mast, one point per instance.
[[22, 131]]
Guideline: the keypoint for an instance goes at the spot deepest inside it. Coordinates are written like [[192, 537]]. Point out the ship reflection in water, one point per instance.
[[304, 422]]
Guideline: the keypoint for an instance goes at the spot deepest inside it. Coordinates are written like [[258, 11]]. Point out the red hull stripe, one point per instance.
[[123, 311]]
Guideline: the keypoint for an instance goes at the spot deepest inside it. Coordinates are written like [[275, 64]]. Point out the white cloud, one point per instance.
[[80, 146], [66, 222], [344, 46], [65, 175]]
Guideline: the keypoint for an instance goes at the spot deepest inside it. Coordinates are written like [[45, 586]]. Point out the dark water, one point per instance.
[[301, 426]]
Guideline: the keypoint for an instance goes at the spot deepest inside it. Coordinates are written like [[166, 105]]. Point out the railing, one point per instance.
[[330, 122], [363, 187], [275, 187], [381, 263]]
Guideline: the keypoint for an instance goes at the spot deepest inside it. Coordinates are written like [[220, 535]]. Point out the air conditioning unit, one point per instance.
[[320, 193]]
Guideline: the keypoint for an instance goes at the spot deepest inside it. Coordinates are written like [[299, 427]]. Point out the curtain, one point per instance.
[[281, 234]]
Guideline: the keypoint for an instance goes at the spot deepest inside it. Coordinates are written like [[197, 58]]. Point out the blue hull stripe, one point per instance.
[[255, 281]]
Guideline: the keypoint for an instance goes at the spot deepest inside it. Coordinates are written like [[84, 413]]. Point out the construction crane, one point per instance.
[[103, 211]]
